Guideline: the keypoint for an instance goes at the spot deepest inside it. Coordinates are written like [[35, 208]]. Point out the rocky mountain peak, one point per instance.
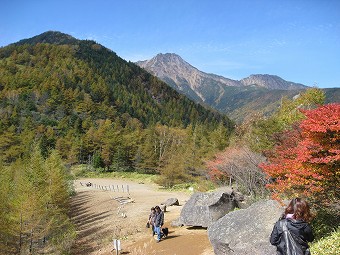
[[168, 64], [172, 57], [271, 82], [182, 76]]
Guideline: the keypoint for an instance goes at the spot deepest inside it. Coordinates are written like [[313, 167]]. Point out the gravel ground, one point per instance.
[[101, 215]]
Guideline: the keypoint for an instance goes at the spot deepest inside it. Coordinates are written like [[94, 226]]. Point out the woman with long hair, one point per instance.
[[292, 231]]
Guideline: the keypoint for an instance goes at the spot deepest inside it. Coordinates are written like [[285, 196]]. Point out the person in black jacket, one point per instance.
[[159, 221], [296, 215]]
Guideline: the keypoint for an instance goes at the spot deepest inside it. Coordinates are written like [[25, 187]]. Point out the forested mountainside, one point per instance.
[[81, 98], [243, 103], [256, 94]]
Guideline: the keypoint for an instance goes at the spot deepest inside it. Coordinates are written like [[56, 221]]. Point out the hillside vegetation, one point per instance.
[[65, 102], [83, 100], [34, 206]]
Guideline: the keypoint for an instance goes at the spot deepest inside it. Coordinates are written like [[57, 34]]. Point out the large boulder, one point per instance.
[[171, 201], [246, 231], [202, 209]]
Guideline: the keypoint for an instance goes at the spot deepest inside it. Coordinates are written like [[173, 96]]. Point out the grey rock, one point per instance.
[[176, 223], [163, 207], [202, 209], [171, 202], [246, 231]]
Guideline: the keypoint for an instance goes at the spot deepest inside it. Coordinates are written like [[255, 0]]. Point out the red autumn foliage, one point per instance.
[[217, 175], [307, 162]]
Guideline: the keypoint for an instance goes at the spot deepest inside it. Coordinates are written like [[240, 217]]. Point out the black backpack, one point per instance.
[[293, 243], [165, 231]]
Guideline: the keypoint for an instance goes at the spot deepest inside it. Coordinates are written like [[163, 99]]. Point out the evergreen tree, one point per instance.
[[263, 133], [35, 194]]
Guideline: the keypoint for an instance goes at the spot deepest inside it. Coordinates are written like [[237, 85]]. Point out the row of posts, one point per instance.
[[114, 188]]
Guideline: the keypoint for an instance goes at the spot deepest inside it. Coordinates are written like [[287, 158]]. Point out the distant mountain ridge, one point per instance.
[[179, 74], [258, 93], [271, 82]]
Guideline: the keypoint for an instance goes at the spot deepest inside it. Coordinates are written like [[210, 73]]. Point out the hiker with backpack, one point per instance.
[[292, 232]]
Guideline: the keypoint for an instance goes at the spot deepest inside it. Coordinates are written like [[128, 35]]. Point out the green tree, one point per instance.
[[97, 161], [6, 220], [219, 137], [10, 147], [35, 194], [262, 135]]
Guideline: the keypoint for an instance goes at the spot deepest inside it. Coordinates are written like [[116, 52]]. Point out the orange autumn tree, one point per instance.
[[307, 162]]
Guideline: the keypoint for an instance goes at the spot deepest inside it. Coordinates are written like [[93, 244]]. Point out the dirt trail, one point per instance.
[[100, 218]]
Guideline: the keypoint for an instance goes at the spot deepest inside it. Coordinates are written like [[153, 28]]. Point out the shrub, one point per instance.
[[328, 245], [326, 221]]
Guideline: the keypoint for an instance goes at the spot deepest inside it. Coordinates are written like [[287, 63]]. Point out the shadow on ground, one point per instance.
[[86, 223]]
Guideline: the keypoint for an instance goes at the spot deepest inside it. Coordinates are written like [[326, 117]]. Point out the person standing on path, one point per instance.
[[151, 220], [159, 221]]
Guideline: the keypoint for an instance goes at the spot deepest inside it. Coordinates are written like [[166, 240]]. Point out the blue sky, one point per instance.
[[298, 40]]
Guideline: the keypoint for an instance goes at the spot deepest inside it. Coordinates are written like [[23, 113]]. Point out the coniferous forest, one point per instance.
[[84, 101]]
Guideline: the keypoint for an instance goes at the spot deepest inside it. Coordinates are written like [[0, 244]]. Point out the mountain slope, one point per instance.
[[94, 70], [85, 101]]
